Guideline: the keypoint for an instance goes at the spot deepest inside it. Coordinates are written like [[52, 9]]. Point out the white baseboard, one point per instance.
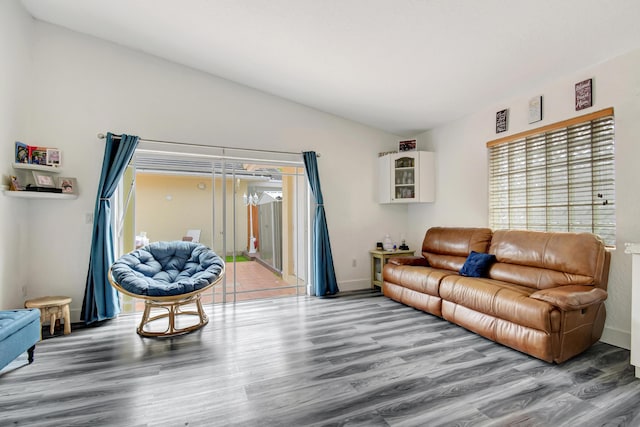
[[616, 337], [346, 286], [75, 314], [354, 285]]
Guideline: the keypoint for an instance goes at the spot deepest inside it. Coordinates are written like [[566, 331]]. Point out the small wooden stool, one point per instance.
[[52, 308]]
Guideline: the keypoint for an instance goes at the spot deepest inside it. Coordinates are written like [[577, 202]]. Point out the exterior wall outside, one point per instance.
[[169, 205]]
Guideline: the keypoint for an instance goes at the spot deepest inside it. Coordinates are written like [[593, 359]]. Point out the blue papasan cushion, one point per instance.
[[167, 269]]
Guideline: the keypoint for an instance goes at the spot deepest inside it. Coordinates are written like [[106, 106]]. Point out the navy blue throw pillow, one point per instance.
[[477, 264]]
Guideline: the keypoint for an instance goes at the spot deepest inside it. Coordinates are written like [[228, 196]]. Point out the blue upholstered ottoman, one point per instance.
[[20, 330]]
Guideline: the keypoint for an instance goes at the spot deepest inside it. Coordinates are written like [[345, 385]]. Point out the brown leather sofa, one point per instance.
[[544, 294]]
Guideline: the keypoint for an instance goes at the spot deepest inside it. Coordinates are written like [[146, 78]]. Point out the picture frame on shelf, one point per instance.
[[54, 157], [409, 145], [43, 180], [37, 155], [68, 185], [22, 152]]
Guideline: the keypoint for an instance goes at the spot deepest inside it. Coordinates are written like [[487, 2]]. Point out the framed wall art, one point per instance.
[[535, 109], [584, 94], [502, 118]]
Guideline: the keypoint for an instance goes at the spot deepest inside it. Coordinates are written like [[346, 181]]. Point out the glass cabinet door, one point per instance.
[[404, 178]]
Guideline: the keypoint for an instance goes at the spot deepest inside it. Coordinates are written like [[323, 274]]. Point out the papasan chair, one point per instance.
[[168, 276]]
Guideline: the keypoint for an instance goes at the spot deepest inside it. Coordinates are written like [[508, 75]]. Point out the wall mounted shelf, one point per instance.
[[42, 168], [38, 195]]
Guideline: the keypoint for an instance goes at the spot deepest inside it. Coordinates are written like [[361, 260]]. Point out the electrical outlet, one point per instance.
[[88, 218], [353, 262], [24, 291]]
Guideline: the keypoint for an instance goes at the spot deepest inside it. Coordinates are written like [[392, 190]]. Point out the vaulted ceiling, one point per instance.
[[403, 66]]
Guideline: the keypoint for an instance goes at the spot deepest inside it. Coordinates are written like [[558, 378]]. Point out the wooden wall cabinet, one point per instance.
[[407, 177]]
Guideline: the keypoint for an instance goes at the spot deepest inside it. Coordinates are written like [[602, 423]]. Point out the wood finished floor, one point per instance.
[[358, 359]]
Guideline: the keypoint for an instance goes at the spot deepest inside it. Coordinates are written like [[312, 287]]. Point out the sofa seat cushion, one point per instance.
[[501, 300], [425, 280], [425, 302], [528, 340]]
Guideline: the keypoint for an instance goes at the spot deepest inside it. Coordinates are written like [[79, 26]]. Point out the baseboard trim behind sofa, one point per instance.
[[354, 285], [616, 337]]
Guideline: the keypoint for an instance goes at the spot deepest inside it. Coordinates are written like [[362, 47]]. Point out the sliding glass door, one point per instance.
[[250, 207]]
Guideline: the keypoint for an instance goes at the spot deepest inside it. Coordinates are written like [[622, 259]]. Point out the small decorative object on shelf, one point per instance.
[[385, 153], [387, 243], [403, 246], [68, 185], [15, 184], [22, 152]]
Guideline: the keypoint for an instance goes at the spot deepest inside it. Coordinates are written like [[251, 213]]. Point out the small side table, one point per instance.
[[52, 308], [379, 258]]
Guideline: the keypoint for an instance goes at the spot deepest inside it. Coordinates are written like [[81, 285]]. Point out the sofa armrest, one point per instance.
[[572, 297], [408, 260]]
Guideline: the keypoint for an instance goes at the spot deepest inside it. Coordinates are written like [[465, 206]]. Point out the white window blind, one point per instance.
[[560, 179]]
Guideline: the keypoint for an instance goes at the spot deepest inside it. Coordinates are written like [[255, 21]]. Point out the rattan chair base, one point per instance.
[[173, 312], [172, 304]]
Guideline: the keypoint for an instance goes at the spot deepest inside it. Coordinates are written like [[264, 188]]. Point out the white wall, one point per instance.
[[82, 86], [15, 64], [461, 188]]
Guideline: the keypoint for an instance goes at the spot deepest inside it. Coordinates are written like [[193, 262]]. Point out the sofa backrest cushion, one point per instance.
[[448, 248], [543, 260]]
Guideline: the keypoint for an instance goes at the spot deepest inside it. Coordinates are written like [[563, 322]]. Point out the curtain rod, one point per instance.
[[103, 136]]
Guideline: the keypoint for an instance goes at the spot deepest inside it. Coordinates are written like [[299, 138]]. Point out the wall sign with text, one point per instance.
[[502, 118], [584, 98]]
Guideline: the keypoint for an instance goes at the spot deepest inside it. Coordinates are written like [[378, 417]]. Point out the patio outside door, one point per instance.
[[252, 209]]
